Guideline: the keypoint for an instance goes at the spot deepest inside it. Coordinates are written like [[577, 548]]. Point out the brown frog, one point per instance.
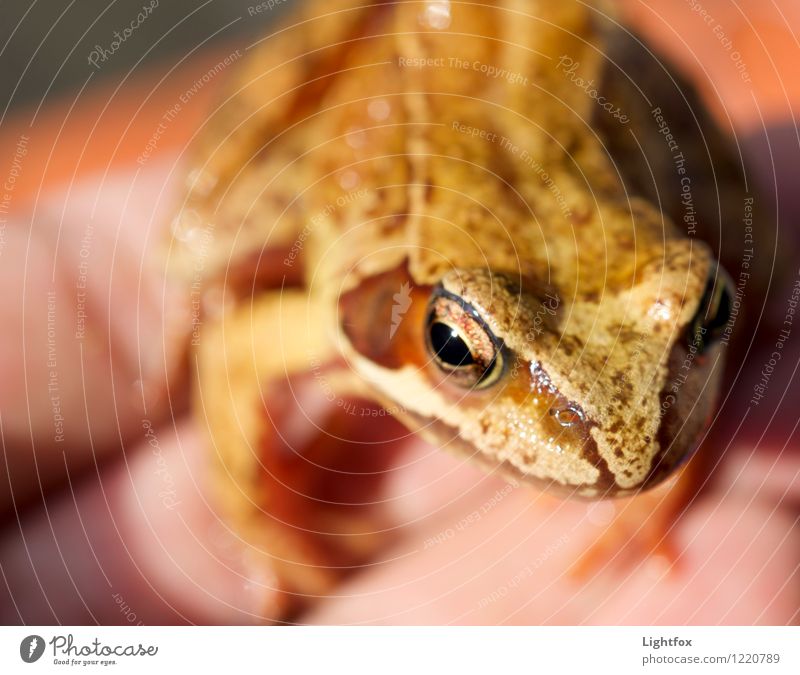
[[488, 219]]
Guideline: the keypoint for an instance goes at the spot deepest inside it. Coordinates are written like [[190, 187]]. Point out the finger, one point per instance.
[[739, 567], [771, 474], [508, 566], [84, 343], [431, 488], [137, 543], [447, 566]]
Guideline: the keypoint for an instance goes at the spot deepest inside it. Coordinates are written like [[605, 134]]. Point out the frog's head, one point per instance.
[[597, 394]]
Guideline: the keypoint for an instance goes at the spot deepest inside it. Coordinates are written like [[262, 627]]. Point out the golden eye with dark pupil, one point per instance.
[[461, 344]]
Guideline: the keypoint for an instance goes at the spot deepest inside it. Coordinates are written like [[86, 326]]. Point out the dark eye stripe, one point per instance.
[[713, 312]]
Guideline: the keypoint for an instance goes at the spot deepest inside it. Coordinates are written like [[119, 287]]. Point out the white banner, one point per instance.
[[373, 650]]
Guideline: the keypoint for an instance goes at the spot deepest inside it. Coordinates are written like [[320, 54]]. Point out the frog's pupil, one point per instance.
[[448, 345]]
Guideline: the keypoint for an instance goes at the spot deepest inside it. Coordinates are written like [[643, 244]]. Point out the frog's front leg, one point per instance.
[[643, 526], [294, 437]]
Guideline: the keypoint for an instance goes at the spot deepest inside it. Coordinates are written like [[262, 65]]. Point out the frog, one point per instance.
[[496, 226]]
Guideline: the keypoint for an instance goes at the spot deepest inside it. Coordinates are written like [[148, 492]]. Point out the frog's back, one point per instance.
[[345, 118], [366, 137], [248, 165]]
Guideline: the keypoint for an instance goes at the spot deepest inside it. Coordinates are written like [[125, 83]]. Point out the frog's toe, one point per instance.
[[639, 528]]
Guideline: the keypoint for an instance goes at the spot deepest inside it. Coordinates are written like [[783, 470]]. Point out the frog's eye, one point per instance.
[[713, 312], [460, 342]]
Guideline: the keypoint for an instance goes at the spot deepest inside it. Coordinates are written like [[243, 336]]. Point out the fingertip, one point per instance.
[[137, 542], [187, 550]]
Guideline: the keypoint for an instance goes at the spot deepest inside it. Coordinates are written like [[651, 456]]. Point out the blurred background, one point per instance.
[[46, 45]]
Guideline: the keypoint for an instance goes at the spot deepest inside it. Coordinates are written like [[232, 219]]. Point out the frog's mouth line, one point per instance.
[[447, 437]]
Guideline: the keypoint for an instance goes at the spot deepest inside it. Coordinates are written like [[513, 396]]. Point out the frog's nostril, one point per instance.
[[713, 312], [568, 415]]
